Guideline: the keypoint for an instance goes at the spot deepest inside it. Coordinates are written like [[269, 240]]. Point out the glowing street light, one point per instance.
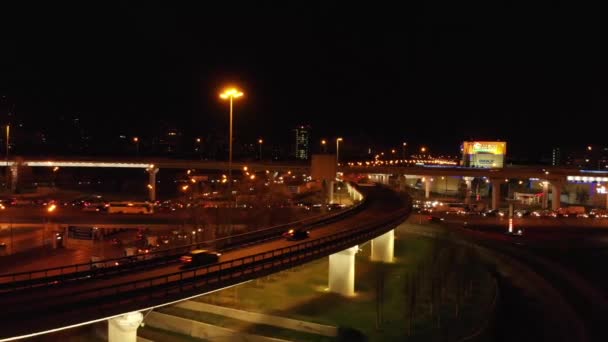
[[230, 94], [338, 151], [324, 145], [260, 142], [136, 141], [8, 130]]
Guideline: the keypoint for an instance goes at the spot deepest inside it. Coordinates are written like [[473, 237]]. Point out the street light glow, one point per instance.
[[51, 208], [231, 93]]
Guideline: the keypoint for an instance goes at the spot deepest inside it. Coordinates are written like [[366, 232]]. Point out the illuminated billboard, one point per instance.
[[484, 153]]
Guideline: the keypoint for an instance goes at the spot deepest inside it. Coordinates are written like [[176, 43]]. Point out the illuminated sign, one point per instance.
[[484, 153], [489, 147]]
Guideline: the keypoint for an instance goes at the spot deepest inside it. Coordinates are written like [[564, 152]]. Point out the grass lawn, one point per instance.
[[301, 293]]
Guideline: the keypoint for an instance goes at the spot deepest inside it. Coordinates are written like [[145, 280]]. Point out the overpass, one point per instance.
[[121, 299], [557, 177], [152, 166], [554, 176]]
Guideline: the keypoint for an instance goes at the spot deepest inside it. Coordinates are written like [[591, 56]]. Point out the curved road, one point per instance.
[[381, 203]]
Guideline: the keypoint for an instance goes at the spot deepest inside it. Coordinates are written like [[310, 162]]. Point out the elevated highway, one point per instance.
[[62, 305]]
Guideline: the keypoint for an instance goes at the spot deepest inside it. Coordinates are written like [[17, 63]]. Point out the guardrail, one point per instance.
[[114, 266], [159, 290]]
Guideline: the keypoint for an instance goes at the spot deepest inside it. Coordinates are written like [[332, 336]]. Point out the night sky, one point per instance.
[[533, 75]]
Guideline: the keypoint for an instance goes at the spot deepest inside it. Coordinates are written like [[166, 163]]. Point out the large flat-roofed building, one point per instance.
[[483, 153]]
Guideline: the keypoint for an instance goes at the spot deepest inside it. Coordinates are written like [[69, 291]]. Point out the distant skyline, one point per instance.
[[532, 75]]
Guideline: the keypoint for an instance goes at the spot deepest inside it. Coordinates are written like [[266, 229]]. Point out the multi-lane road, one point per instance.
[[42, 304]]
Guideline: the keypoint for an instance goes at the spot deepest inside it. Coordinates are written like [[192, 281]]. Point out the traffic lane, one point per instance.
[[556, 237], [70, 288], [361, 218], [587, 225]]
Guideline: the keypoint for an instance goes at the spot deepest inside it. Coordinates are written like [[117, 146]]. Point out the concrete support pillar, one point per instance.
[[469, 182], [545, 202], [14, 178], [556, 190], [427, 187], [496, 192], [152, 171], [383, 247], [342, 272], [124, 328], [330, 191]]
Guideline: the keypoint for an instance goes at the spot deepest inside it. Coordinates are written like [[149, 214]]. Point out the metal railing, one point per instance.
[[115, 266], [155, 291]]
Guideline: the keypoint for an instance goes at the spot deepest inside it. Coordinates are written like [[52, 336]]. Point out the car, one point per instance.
[[516, 233], [200, 257], [493, 212], [335, 206], [433, 218], [296, 234]]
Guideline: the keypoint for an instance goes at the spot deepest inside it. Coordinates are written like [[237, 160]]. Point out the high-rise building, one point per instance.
[[556, 157], [302, 142]]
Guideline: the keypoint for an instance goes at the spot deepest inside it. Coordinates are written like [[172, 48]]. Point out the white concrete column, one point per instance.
[[545, 194], [124, 328], [496, 192], [383, 247], [427, 187], [342, 272], [152, 183], [330, 192], [469, 182], [556, 190]]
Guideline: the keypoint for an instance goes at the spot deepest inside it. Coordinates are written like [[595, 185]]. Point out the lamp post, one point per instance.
[[55, 169], [404, 146], [8, 130], [10, 222], [50, 209], [260, 141], [230, 94], [198, 147], [136, 141], [338, 151], [324, 145]]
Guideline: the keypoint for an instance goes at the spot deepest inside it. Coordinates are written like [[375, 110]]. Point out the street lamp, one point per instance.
[[8, 129], [324, 145], [260, 141], [198, 147], [338, 151], [55, 169], [10, 222], [404, 146], [136, 141], [230, 94], [50, 209]]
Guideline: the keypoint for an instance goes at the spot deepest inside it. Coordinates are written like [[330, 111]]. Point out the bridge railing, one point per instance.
[[43, 277], [153, 291]]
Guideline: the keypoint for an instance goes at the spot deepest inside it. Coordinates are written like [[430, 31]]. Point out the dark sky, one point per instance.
[[371, 71]]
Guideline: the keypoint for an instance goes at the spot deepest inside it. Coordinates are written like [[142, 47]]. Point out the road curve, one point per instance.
[[67, 304]]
